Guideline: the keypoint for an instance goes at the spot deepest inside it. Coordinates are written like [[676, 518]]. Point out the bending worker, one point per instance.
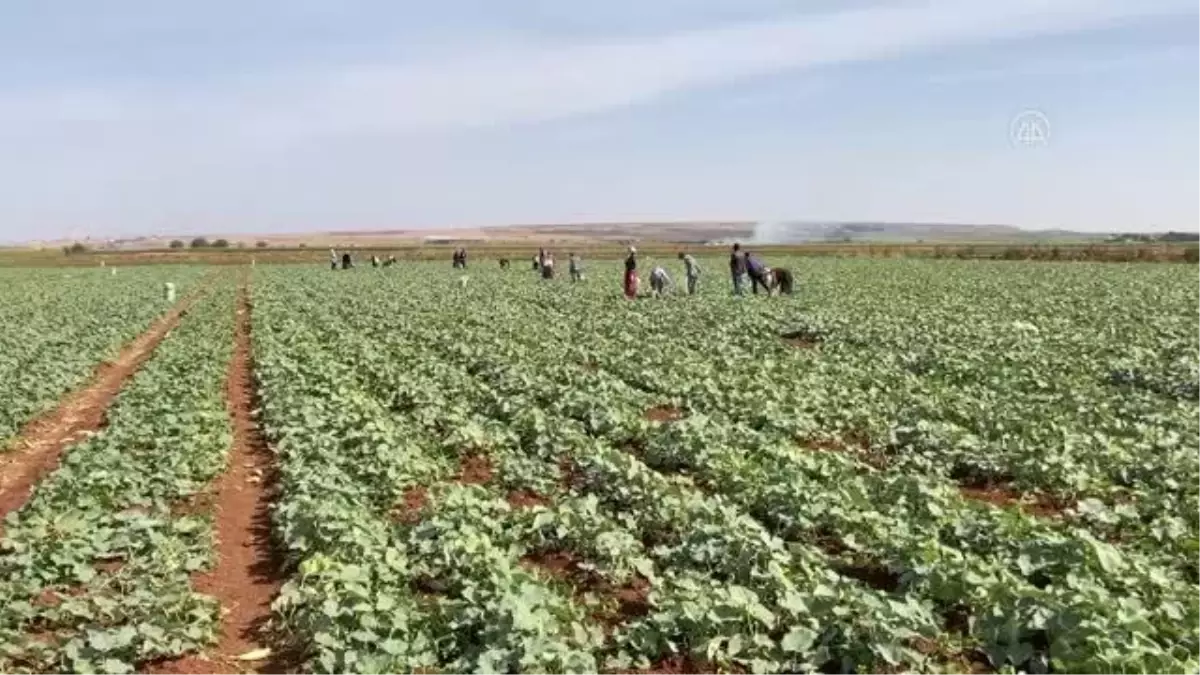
[[660, 281]]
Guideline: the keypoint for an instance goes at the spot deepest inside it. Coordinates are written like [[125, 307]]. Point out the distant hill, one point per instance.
[[791, 232], [689, 232], [796, 232]]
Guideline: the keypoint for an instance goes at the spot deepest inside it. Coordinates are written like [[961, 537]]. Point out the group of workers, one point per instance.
[[543, 263], [744, 267], [347, 262]]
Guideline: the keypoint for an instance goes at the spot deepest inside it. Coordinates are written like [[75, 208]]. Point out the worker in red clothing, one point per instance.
[[631, 276]]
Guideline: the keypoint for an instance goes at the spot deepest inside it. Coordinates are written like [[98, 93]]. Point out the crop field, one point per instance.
[[58, 325], [910, 465]]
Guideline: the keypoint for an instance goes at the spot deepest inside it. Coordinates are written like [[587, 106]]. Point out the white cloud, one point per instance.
[[496, 84], [504, 84]]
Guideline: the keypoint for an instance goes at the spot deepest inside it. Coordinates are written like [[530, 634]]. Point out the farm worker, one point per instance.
[[504, 263], [575, 265], [462, 258], [781, 278], [333, 259], [346, 262], [391, 260], [631, 276], [660, 281], [737, 269], [758, 274], [691, 270], [537, 262], [548, 265], [374, 261]]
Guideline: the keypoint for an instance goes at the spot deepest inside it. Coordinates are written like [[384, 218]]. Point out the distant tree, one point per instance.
[[303, 245], [177, 243], [77, 247], [261, 244], [199, 242], [221, 243]]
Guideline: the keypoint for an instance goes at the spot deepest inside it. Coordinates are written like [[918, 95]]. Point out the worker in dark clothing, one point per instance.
[[346, 262], [758, 274], [631, 275], [504, 263], [780, 279], [737, 269]]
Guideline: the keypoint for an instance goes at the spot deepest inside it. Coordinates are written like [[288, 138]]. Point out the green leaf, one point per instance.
[[798, 639], [115, 666]]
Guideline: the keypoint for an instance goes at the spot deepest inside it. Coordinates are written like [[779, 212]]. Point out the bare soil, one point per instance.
[[1005, 497], [663, 413], [629, 601], [524, 499], [800, 342], [571, 477], [36, 450], [248, 573], [802, 339], [475, 470], [412, 502], [676, 665], [855, 443], [999, 491]]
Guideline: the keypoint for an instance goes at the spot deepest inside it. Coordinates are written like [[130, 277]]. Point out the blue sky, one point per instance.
[[142, 116]]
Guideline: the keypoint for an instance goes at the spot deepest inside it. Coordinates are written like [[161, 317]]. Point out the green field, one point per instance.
[[56, 326], [910, 465]]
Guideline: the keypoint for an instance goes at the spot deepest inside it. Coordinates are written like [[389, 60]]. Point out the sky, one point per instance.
[[133, 117]]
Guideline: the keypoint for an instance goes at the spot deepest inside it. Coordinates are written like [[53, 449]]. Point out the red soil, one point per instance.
[[1005, 496], [676, 665], [475, 470], [571, 477], [855, 443], [663, 413], [630, 600], [524, 499], [411, 504], [247, 576]]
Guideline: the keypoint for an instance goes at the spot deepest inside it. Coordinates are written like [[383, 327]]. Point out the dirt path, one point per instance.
[[36, 450], [247, 576]]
